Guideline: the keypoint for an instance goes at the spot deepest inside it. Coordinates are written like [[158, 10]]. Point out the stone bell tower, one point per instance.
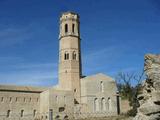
[[70, 54]]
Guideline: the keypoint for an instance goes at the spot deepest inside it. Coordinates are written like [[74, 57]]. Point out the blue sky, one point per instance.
[[116, 34]]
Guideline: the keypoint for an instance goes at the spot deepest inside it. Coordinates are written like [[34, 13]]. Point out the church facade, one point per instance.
[[74, 96]]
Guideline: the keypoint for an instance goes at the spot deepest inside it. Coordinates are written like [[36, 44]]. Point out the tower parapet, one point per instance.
[[69, 25]]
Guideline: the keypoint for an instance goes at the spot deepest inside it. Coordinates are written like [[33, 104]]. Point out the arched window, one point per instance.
[[30, 99], [109, 104], [34, 113], [16, 99], [103, 104], [56, 99], [96, 105], [74, 55], [22, 113], [66, 56], [75, 90], [73, 28], [101, 86], [66, 28], [8, 113], [10, 99]]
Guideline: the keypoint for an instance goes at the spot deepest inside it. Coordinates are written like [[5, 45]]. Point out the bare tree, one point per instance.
[[129, 91]]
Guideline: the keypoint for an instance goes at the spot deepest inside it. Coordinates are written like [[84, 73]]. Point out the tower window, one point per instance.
[[34, 113], [74, 55], [66, 56], [66, 28], [16, 99], [8, 113], [75, 90], [73, 27], [22, 112], [2, 99], [10, 99]]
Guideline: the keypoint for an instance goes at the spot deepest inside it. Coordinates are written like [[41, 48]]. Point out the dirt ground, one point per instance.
[[111, 118]]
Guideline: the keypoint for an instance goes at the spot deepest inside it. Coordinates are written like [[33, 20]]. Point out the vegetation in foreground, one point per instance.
[[128, 91]]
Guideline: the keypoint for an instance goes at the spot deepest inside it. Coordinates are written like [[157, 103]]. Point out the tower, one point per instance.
[[69, 53]]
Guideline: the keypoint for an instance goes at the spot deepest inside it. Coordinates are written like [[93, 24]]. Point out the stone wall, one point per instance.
[[98, 95], [60, 102], [19, 102], [150, 98], [18, 105]]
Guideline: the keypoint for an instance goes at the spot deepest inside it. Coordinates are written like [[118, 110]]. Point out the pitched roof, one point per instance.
[[28, 89], [99, 76]]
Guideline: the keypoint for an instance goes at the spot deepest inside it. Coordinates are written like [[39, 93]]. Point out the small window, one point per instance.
[[30, 99], [66, 28], [101, 86], [56, 99], [73, 27], [2, 99], [34, 113], [24, 99], [10, 99], [74, 55], [22, 113], [8, 113], [61, 109], [16, 99], [75, 90]]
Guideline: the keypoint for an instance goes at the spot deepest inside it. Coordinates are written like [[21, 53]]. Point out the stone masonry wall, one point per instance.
[[150, 98]]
